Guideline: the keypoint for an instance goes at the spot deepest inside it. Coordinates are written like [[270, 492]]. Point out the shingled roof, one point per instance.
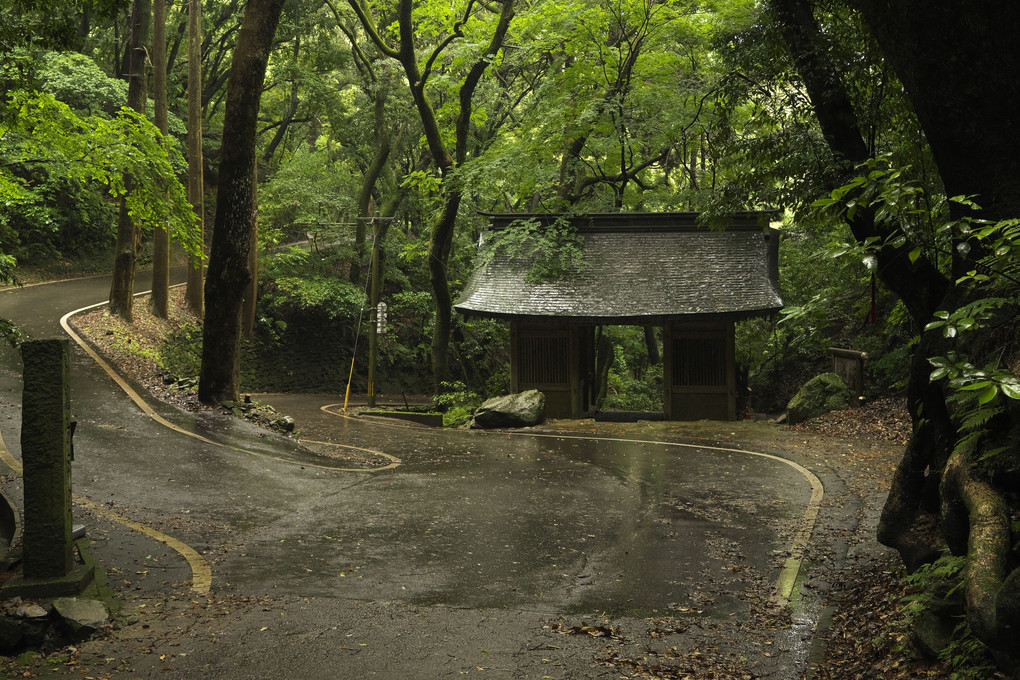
[[636, 268]]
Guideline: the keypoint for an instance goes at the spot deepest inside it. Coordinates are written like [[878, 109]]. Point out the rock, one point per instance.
[[523, 409], [34, 632], [932, 633], [823, 393], [82, 617], [286, 423], [10, 634], [32, 611]]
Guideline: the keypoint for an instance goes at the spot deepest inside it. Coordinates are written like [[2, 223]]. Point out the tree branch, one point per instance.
[[373, 34]]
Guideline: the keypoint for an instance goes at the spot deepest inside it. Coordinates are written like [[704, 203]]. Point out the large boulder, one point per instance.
[[523, 409], [823, 393]]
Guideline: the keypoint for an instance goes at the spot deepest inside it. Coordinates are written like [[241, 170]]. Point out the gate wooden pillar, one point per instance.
[[699, 371], [555, 358]]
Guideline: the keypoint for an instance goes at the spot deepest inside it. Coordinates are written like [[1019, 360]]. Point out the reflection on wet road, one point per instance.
[[468, 519], [481, 519]]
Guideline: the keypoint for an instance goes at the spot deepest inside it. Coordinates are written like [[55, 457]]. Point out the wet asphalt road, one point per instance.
[[474, 535]]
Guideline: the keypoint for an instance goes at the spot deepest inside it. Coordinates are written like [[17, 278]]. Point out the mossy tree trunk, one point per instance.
[[126, 246], [234, 231], [956, 62], [194, 291]]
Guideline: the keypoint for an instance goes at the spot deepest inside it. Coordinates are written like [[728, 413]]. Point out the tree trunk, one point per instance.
[[234, 231], [368, 182], [161, 232], [956, 62], [908, 524], [194, 292], [439, 257], [126, 247], [652, 345], [251, 290]]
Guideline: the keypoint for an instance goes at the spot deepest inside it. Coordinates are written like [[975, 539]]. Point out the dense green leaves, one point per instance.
[[46, 135]]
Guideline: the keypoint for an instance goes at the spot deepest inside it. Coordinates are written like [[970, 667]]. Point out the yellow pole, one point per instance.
[[350, 376]]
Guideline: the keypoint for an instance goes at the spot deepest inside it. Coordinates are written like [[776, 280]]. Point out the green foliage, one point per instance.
[[551, 250], [333, 298], [308, 193], [456, 393], [827, 287], [47, 146], [974, 378], [634, 384], [629, 393], [943, 577], [78, 81], [181, 351], [581, 101], [966, 656], [457, 416], [11, 333], [457, 402]]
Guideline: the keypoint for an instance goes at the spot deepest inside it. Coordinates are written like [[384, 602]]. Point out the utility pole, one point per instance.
[[380, 315]]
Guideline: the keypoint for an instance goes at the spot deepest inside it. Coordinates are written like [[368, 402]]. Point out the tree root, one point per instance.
[[992, 593]]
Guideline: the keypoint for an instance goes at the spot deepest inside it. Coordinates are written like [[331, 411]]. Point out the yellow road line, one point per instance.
[[787, 579], [148, 410], [806, 524], [394, 461], [201, 574], [5, 455]]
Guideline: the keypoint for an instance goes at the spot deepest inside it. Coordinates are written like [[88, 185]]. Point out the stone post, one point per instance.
[[46, 455]]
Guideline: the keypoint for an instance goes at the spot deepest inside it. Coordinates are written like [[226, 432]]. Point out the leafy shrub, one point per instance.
[[181, 351], [457, 416]]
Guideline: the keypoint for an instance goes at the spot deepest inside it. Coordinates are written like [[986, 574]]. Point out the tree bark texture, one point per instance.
[[234, 231], [161, 232], [375, 168], [907, 524], [126, 247], [957, 63], [194, 291]]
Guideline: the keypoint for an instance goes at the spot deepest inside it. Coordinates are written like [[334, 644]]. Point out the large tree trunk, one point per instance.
[[908, 523], [234, 231], [161, 232], [194, 292], [126, 247], [956, 62]]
